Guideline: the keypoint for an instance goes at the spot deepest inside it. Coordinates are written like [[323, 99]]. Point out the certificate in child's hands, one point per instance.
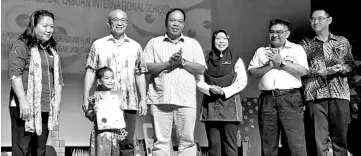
[[109, 115]]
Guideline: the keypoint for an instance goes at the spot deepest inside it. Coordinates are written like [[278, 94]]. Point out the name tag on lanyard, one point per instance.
[[226, 62]]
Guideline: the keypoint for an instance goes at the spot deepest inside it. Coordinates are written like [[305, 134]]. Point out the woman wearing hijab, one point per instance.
[[36, 85], [221, 107]]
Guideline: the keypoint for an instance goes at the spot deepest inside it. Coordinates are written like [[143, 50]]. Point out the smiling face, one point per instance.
[[221, 41], [278, 35], [44, 28], [107, 80], [118, 22], [320, 20], [175, 23]]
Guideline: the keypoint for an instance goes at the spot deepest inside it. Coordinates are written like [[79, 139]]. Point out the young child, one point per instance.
[[104, 142]]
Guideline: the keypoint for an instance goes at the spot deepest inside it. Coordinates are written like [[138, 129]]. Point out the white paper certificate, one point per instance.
[[109, 115]]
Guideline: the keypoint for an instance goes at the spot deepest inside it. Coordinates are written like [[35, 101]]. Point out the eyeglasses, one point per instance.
[[314, 19], [121, 21], [277, 32]]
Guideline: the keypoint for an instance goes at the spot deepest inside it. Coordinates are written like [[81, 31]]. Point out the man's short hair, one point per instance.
[[327, 11], [172, 10], [279, 21]]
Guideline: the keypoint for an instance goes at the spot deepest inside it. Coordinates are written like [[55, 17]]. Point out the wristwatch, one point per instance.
[[283, 62], [183, 62]]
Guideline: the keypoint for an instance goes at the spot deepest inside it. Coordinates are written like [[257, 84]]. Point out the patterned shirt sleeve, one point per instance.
[[348, 58], [140, 65], [312, 70], [61, 79], [18, 56], [92, 61], [304, 44], [93, 100]]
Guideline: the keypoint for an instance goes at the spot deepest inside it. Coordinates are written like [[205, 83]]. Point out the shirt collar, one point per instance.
[[43, 47], [125, 39], [330, 37], [286, 46], [180, 38]]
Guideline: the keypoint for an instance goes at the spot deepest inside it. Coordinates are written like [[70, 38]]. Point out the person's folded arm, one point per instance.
[[193, 68], [197, 65], [294, 69]]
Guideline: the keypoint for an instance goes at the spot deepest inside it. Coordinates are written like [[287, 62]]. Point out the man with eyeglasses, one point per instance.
[[326, 89], [280, 67], [124, 56]]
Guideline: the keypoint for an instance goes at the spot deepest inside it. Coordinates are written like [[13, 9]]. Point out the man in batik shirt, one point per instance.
[[326, 88], [124, 56]]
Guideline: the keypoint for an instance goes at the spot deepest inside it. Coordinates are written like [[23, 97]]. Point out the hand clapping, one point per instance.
[[176, 59], [274, 56]]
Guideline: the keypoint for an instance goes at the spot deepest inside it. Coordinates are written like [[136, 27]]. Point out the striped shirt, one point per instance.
[[336, 50], [177, 86], [125, 59]]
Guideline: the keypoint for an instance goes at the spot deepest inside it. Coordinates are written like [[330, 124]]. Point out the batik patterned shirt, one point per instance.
[[320, 55], [126, 61]]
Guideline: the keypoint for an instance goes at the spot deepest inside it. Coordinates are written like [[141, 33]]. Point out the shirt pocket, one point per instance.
[[263, 60]]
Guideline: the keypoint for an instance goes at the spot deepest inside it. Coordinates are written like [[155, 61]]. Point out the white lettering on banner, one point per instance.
[[131, 6], [74, 39], [72, 49], [112, 4], [157, 8]]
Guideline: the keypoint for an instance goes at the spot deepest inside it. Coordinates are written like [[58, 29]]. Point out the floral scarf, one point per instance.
[[34, 123]]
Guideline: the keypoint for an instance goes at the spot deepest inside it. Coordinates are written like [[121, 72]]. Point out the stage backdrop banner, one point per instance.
[[78, 24]]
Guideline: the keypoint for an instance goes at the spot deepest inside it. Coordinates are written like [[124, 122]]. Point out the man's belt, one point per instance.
[[279, 92]]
